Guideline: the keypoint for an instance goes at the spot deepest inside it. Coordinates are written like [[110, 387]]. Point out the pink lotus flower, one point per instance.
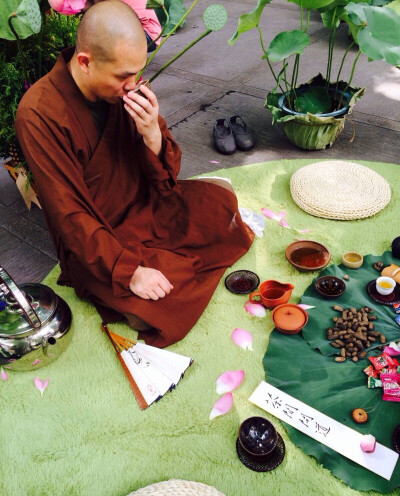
[[255, 309], [67, 7], [368, 443], [230, 380], [242, 338], [222, 406], [41, 385]]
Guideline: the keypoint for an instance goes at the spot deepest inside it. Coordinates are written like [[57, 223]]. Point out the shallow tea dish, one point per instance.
[[307, 256], [242, 282], [330, 286], [257, 436], [352, 260]]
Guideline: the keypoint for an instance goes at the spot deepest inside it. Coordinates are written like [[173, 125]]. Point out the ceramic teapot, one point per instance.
[[34, 324]]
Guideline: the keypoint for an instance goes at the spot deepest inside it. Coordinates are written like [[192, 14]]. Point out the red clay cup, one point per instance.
[[272, 293]]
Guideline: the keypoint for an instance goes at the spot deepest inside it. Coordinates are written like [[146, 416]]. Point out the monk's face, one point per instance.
[[110, 81]]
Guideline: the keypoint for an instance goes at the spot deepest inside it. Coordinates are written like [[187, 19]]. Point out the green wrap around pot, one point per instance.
[[308, 131], [310, 374]]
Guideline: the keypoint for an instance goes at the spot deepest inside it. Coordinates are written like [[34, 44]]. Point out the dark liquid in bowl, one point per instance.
[[308, 257], [241, 284]]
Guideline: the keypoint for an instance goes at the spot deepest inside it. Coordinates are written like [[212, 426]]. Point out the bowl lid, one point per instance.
[[289, 317], [13, 321]]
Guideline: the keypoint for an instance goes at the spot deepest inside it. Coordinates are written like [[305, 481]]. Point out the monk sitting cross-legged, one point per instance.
[[130, 236]]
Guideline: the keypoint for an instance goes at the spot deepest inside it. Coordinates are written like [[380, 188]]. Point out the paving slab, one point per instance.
[[8, 191], [213, 57]]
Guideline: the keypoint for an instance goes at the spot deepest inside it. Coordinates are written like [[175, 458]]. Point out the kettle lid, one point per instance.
[[26, 308]]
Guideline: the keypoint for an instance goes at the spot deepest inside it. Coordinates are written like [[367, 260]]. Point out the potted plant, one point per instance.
[[313, 113]]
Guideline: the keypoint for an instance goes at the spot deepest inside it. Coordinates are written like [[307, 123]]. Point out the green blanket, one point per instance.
[[87, 437]]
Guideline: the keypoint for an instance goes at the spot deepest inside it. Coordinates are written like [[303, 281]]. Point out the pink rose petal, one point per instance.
[[222, 406], [255, 309], [393, 349], [305, 307], [303, 231], [230, 380], [4, 375], [242, 338], [36, 361], [215, 162], [41, 385], [281, 215], [283, 223], [270, 214]]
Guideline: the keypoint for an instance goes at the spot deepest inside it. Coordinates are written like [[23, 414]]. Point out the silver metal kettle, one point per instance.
[[34, 324]]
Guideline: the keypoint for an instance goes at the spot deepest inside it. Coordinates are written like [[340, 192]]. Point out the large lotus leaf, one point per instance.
[[154, 4], [335, 389], [249, 21], [312, 4], [327, 17], [315, 100], [215, 17], [29, 13], [379, 36], [176, 10], [354, 296], [20, 23], [287, 43]]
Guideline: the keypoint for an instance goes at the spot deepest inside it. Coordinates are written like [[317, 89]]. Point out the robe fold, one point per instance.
[[111, 204]]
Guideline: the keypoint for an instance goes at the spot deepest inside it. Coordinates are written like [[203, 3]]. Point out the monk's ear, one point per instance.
[[84, 60]]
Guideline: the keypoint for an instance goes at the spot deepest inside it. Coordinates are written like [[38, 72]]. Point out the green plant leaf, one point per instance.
[[176, 10], [154, 4], [315, 100], [248, 21], [334, 389], [21, 26], [379, 35], [327, 17], [215, 17], [312, 4], [287, 43], [28, 12]]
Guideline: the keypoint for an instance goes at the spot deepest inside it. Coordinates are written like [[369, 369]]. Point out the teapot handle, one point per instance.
[[24, 304]]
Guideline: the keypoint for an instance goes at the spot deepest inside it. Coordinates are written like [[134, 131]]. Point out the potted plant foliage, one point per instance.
[[313, 113]]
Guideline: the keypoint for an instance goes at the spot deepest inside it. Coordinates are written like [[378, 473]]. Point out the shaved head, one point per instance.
[[104, 26]]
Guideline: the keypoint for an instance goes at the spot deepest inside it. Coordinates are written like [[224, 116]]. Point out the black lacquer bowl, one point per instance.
[[258, 437], [330, 286], [242, 282]]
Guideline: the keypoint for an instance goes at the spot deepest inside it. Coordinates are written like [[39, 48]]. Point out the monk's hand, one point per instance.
[[144, 112], [149, 284]]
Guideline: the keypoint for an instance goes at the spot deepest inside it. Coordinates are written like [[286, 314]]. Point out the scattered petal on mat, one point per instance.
[[242, 338], [283, 223], [4, 375], [305, 307], [36, 361], [255, 309], [368, 443], [230, 380], [221, 406], [215, 162], [270, 214], [393, 349], [41, 385], [303, 230]]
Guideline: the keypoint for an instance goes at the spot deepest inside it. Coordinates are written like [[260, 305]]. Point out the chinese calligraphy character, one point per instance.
[[306, 419], [320, 429], [289, 410], [276, 403]]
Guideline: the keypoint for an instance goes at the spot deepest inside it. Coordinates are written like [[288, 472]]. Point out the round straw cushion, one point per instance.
[[340, 190], [176, 487]]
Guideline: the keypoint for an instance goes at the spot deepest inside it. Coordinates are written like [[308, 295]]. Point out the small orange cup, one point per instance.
[[272, 293]]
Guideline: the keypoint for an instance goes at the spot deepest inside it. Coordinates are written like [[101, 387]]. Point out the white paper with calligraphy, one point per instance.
[[324, 429]]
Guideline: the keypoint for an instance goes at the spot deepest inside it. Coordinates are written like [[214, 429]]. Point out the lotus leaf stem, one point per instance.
[[267, 59], [163, 29], [21, 53]]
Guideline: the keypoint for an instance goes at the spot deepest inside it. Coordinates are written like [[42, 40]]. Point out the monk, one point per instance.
[[139, 243]]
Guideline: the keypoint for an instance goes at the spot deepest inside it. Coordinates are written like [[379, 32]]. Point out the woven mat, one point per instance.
[[339, 190], [176, 487]]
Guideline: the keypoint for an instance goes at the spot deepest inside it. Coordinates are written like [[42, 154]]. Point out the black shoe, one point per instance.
[[223, 137], [243, 137]]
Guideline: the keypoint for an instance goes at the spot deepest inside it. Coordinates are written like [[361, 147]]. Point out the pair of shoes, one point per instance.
[[231, 135]]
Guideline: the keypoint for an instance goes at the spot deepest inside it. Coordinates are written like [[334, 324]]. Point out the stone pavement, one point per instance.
[[215, 80]]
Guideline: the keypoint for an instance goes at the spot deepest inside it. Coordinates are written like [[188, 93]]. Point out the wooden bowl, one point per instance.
[[308, 256], [330, 286]]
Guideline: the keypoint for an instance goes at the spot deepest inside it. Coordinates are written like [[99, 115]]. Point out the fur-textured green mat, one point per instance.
[[87, 437]]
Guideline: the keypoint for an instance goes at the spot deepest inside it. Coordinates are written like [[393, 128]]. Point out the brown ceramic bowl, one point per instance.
[[289, 319], [307, 256], [258, 437], [330, 286]]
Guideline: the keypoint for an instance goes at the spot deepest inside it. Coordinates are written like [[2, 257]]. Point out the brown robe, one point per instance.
[[112, 204]]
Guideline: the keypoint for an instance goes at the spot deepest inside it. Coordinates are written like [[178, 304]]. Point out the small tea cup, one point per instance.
[[385, 285], [258, 437]]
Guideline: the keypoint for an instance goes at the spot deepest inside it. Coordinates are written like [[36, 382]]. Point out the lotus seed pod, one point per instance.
[[154, 4], [29, 13], [215, 17]]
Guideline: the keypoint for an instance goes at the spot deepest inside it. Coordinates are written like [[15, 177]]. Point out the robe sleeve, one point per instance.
[[71, 215], [161, 172]]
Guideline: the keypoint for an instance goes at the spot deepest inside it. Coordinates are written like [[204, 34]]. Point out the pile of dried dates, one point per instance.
[[353, 332]]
